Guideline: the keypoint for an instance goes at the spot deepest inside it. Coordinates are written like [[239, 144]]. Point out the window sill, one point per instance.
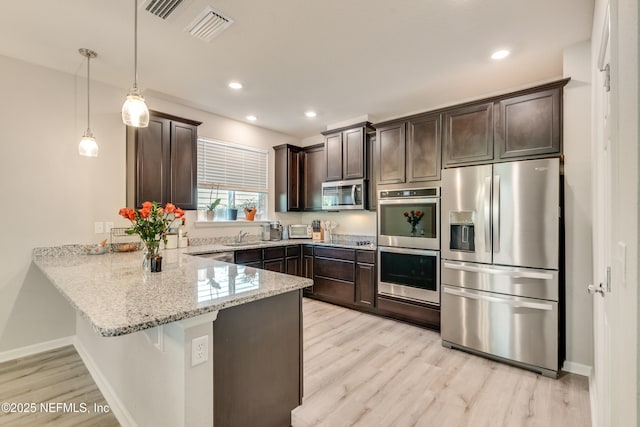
[[229, 223]]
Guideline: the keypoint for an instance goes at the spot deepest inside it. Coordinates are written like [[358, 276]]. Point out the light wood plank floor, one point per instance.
[[363, 370], [359, 370], [57, 376]]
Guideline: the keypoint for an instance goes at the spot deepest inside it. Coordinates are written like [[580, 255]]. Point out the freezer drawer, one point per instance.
[[518, 281], [521, 330]]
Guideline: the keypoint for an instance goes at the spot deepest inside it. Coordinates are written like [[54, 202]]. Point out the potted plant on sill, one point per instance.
[[232, 213], [250, 210], [211, 207]]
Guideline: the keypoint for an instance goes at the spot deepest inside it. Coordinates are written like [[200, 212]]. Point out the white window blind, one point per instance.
[[232, 167]]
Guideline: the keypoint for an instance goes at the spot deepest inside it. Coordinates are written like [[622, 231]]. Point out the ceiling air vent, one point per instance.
[[209, 24], [162, 8]]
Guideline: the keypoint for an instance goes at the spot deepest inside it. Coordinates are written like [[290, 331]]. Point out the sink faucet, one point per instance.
[[240, 236]]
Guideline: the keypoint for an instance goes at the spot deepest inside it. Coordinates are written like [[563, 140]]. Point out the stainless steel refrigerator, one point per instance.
[[500, 262]]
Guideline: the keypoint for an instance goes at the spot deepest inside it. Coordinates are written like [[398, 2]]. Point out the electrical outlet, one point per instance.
[[199, 350], [98, 227], [108, 226]]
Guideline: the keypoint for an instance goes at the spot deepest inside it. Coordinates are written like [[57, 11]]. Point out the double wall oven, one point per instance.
[[409, 244]]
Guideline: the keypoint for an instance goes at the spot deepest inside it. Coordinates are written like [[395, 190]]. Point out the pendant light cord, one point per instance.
[[135, 44], [88, 94]]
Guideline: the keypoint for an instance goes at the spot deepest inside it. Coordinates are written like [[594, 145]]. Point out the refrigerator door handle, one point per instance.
[[511, 302], [496, 213], [487, 214], [514, 274]]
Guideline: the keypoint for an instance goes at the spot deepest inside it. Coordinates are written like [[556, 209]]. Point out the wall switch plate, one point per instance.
[[199, 350], [108, 226], [98, 227]]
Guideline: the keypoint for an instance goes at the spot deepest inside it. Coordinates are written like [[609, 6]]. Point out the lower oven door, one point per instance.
[[412, 274]]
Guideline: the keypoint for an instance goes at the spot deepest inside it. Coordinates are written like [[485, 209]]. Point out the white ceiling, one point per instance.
[[342, 58]]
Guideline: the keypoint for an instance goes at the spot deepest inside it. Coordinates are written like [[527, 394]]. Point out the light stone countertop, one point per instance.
[[117, 297], [257, 244]]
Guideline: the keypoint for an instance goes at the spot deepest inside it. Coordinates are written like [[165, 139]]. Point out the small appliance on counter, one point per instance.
[[266, 232], [300, 231], [275, 230]]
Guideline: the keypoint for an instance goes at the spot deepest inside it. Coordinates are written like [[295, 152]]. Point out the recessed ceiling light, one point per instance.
[[252, 118], [235, 85], [500, 54], [310, 114]]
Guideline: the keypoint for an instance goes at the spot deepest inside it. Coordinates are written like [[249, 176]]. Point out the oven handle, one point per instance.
[[514, 274], [408, 200], [409, 251], [511, 302]]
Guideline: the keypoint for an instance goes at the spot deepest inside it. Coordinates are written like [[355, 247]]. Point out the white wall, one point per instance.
[[52, 196], [578, 202]]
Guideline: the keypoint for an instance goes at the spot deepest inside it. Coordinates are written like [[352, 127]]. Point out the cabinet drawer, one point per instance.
[[307, 250], [273, 253], [366, 257], [293, 251], [336, 290], [249, 255], [274, 265], [415, 313], [336, 269], [339, 253]]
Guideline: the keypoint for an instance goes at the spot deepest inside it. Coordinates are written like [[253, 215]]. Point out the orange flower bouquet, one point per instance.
[[152, 223]]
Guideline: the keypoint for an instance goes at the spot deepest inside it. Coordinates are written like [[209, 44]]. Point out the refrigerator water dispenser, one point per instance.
[[462, 231]]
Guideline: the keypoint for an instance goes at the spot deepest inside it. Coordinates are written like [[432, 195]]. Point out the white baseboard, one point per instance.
[[115, 404], [577, 368], [36, 348]]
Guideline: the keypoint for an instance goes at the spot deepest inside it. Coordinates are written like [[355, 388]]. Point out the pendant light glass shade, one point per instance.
[[88, 146], [134, 110]]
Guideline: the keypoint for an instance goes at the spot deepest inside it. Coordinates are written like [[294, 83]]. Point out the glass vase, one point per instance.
[[151, 258]]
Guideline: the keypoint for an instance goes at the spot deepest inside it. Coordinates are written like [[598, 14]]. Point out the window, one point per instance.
[[236, 174]]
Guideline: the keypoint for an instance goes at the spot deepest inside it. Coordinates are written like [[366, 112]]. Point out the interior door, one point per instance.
[[602, 190]]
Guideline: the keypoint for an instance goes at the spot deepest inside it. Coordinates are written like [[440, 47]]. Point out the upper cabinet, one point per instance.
[[408, 151], [162, 162], [299, 173], [528, 125], [313, 175], [345, 153], [468, 134], [524, 124], [288, 178]]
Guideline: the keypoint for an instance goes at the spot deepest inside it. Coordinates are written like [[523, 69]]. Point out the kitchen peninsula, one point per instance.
[[203, 342]]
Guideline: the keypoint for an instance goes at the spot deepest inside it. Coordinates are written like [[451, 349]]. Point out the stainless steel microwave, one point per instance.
[[341, 195]]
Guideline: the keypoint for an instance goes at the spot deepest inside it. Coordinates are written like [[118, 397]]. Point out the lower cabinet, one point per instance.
[[334, 274], [365, 279]]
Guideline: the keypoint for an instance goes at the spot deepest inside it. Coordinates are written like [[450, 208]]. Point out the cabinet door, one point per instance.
[[333, 157], [529, 125], [292, 266], [365, 284], [153, 162], [274, 265], [423, 149], [293, 199], [287, 178], [183, 179], [373, 173], [313, 175], [353, 153], [391, 154], [468, 134]]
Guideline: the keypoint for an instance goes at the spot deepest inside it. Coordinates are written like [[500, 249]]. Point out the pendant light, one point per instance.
[[88, 146], [134, 111]]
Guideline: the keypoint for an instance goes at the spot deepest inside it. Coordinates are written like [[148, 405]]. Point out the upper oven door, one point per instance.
[[409, 223]]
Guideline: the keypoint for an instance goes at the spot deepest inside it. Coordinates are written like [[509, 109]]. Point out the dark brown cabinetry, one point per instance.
[[528, 125], [365, 278], [410, 150], [162, 162], [313, 174], [292, 260], [468, 134], [299, 173], [307, 267], [288, 178], [345, 153], [334, 274], [523, 124]]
